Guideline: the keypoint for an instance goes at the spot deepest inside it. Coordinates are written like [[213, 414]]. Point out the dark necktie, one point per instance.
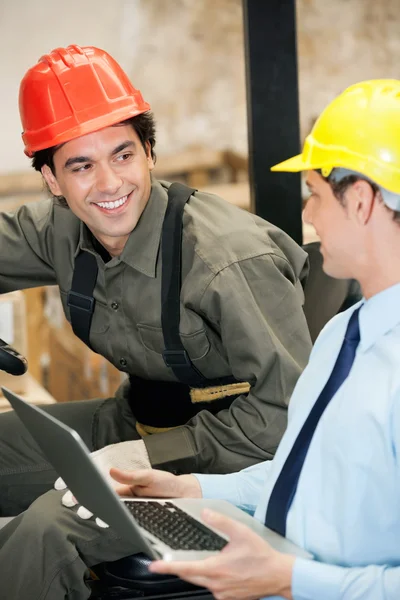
[[286, 484]]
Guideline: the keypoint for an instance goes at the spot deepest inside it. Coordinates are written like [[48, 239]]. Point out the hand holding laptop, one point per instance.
[[144, 483], [152, 483], [247, 567]]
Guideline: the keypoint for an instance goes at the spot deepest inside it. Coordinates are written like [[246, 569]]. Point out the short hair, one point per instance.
[[339, 188]]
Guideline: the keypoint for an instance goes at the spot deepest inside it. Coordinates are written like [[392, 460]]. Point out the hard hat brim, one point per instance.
[[292, 165], [81, 129]]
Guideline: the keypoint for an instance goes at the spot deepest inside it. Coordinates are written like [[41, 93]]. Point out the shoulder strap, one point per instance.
[[80, 298], [175, 355]]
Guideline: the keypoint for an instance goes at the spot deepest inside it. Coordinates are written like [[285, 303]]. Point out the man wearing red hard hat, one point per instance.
[[198, 302], [189, 329]]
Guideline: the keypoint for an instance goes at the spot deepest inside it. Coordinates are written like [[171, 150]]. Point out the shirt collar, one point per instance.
[[379, 315], [141, 249], [85, 239]]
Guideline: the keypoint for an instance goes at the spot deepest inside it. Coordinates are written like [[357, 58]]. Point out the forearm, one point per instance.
[[266, 343], [189, 487], [241, 489], [248, 433], [313, 581], [226, 442]]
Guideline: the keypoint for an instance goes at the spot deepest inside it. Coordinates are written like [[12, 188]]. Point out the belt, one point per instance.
[[162, 405]]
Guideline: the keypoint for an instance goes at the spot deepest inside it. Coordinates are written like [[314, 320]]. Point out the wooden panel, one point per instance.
[[37, 332], [77, 373], [235, 193], [24, 182], [34, 393]]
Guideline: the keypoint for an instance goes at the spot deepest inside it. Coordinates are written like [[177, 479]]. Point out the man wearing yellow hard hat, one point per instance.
[[333, 485]]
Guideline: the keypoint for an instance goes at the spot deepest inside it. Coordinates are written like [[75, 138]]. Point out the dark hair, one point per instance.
[[145, 127], [143, 124], [339, 189]]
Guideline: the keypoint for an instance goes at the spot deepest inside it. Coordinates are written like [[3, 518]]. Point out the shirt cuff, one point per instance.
[[221, 487], [313, 580]]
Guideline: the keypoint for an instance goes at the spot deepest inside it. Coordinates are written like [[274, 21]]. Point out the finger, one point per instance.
[[124, 490], [101, 523], [180, 569], [233, 529], [184, 569], [84, 513], [69, 500], [142, 477], [60, 484]]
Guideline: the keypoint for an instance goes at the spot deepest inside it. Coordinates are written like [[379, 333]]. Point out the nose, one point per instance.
[[107, 180]]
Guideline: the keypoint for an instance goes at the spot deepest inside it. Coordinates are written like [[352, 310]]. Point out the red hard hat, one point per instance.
[[71, 92]]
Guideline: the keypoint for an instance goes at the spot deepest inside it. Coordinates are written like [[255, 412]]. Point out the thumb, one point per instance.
[[226, 525], [141, 477]]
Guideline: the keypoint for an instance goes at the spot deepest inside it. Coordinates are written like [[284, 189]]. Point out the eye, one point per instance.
[[82, 168], [124, 157]]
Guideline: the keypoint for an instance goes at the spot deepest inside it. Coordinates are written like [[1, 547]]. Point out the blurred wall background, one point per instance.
[[186, 56]]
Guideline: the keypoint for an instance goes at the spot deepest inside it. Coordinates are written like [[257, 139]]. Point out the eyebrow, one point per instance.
[[73, 160]]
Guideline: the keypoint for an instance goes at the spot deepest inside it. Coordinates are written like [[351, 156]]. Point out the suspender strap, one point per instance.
[[80, 298], [175, 355], [81, 301]]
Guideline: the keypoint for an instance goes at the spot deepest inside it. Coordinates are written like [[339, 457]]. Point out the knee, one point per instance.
[[45, 515]]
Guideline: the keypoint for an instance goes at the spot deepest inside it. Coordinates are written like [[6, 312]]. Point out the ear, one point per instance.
[[362, 201], [150, 160], [51, 181]]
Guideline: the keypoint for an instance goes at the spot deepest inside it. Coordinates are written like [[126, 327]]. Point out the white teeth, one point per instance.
[[111, 205]]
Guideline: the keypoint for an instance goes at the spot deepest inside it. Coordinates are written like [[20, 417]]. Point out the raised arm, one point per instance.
[[26, 247]]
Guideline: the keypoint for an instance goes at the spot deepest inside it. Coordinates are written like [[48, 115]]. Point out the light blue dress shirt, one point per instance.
[[346, 510]]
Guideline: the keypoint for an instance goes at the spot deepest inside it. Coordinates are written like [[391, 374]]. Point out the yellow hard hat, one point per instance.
[[360, 131]]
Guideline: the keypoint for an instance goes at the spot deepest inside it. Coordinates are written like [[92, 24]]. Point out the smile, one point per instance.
[[113, 205]]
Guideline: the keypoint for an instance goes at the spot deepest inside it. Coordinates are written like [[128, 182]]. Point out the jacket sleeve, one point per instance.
[[26, 242], [313, 580], [256, 306]]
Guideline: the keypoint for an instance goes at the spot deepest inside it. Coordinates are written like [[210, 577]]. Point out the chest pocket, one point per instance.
[[202, 351]]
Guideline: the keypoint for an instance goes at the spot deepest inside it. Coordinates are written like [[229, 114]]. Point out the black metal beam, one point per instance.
[[273, 110]]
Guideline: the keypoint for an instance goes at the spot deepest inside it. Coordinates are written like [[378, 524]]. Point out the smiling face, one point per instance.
[[105, 179]]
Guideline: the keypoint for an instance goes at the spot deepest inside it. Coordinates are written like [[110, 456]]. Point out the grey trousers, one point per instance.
[[45, 552], [24, 472]]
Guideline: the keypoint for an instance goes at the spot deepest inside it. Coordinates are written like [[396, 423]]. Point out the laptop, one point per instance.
[[171, 529]]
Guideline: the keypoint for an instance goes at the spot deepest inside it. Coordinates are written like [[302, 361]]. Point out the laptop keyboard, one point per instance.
[[173, 526]]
